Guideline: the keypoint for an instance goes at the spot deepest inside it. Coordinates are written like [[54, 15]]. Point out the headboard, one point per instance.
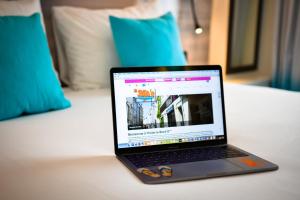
[[92, 4]]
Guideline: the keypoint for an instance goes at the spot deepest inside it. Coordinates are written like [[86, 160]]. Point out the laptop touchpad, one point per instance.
[[204, 168]]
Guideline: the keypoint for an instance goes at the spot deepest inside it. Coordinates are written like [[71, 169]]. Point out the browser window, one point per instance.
[[155, 108]]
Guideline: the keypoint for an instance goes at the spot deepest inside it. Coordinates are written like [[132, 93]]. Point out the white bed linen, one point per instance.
[[68, 154]]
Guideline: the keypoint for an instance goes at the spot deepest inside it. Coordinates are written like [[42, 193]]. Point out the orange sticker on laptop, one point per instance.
[[148, 172], [250, 163], [165, 171]]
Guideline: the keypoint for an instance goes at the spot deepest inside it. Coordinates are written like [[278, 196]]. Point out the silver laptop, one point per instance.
[[169, 125]]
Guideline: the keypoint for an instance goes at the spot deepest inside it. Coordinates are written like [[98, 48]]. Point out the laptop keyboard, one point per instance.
[[183, 156]]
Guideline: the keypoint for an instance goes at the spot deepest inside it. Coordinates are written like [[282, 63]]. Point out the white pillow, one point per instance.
[[21, 8], [85, 45]]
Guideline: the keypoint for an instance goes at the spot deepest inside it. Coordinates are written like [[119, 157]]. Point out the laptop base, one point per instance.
[[205, 169]]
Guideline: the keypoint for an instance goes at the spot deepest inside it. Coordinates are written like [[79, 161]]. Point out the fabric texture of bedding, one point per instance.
[[28, 82], [147, 42], [68, 154], [85, 45]]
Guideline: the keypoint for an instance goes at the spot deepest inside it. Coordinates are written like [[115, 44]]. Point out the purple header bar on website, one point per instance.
[[199, 78]]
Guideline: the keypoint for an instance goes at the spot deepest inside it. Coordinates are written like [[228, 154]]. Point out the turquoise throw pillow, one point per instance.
[[147, 42], [28, 83]]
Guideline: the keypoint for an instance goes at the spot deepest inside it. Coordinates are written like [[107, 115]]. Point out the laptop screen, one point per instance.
[[167, 107]]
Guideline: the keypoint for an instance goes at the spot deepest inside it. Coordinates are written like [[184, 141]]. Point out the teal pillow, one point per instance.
[[147, 42], [28, 83]]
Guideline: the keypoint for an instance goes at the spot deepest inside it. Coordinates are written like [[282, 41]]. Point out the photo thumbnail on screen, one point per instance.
[[169, 111]]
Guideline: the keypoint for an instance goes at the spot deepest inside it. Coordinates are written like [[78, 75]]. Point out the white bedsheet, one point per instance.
[[68, 154]]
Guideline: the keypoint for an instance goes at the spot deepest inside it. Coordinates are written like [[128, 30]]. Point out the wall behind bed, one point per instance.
[[195, 45]]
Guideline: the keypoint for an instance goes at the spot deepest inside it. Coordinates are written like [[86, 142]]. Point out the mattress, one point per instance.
[[68, 154]]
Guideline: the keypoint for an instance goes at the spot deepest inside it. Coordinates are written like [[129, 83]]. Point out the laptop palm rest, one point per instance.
[[197, 170]]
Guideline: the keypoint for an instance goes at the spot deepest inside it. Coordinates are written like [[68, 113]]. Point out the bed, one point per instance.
[[68, 154]]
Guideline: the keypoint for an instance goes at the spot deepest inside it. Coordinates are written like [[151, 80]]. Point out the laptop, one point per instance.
[[169, 125]]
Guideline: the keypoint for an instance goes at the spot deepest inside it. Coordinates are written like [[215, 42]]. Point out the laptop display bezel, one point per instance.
[[119, 151]]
